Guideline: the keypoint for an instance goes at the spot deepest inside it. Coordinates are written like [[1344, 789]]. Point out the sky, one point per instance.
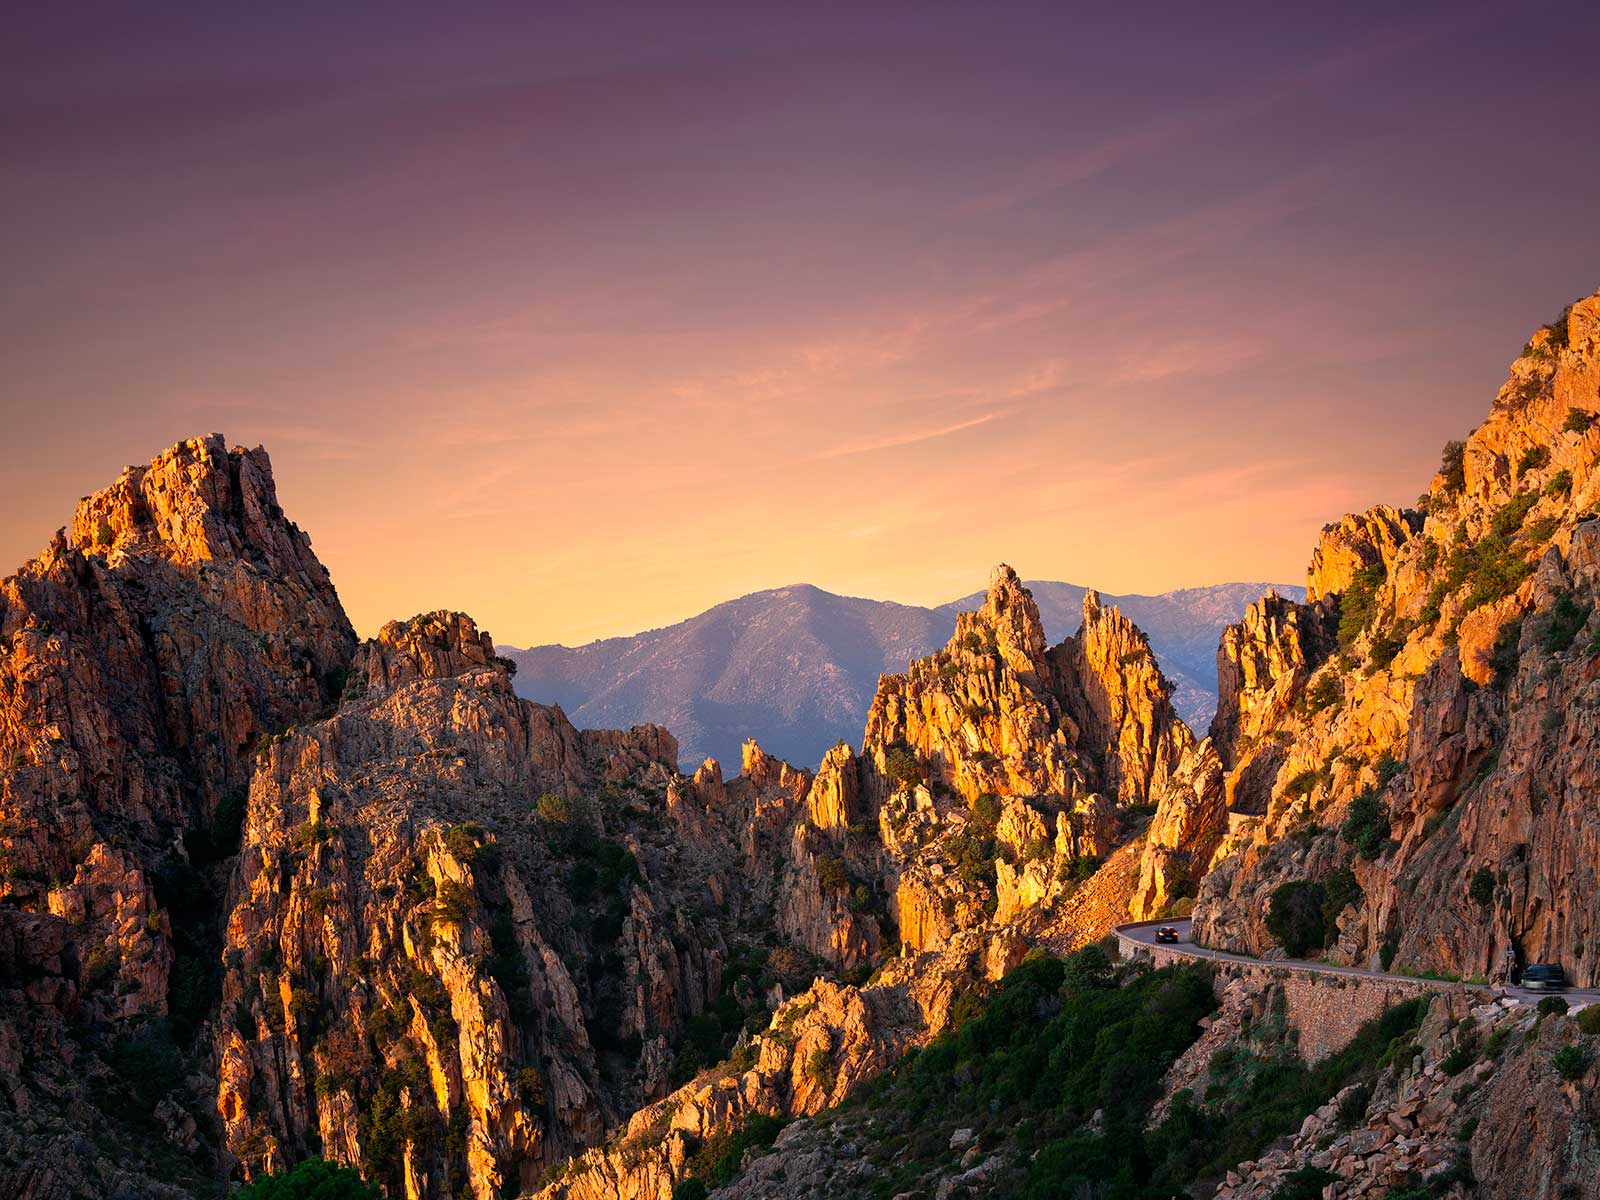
[[583, 318]]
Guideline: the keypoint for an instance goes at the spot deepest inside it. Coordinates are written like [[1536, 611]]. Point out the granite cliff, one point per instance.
[[1418, 738], [269, 893]]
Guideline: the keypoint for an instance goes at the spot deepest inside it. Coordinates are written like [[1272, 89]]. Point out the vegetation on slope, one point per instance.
[[1057, 1071]]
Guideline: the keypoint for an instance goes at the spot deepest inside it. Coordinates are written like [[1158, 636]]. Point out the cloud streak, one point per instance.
[[902, 440]]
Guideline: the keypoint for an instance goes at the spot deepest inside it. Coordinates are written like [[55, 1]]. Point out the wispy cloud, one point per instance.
[[897, 441]]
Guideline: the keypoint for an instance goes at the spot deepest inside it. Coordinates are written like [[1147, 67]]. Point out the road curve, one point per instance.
[[1143, 933]]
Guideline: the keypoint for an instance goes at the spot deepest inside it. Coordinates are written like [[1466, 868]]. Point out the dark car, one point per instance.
[[1168, 935], [1544, 977]]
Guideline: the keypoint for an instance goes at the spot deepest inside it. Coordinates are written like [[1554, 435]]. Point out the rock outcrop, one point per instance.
[[144, 656], [1445, 1114], [1424, 725]]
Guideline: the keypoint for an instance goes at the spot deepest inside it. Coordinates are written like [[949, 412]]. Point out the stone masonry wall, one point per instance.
[[1325, 1008]]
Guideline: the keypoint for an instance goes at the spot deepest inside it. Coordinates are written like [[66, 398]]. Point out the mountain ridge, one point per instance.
[[796, 666]]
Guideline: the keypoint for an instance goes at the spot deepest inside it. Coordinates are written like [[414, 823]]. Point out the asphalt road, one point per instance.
[[1146, 935]]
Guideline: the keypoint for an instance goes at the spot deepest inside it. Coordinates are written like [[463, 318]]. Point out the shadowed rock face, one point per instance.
[[143, 656]]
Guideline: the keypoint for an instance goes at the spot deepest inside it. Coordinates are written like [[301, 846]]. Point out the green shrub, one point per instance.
[[1353, 1108], [1481, 888], [1505, 657], [1567, 619], [1461, 1057], [1560, 483], [1387, 643], [902, 766], [1340, 892], [553, 808], [1578, 421], [1302, 784], [1296, 918], [1552, 1006], [452, 902], [832, 874], [311, 1179], [1570, 1062], [819, 1069], [1366, 825], [717, 1160], [985, 813], [1325, 691], [1533, 459], [1387, 951], [1508, 518], [1453, 466], [1557, 329], [1088, 967], [101, 966], [465, 841], [690, 1189], [1589, 1019], [1358, 603], [148, 1061]]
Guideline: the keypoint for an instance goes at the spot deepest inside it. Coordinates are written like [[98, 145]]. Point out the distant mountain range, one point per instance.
[[796, 667]]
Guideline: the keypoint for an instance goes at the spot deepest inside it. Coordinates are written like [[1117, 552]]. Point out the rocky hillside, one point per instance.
[[1169, 1082], [796, 667], [144, 657], [1409, 752], [268, 893], [1183, 626], [271, 894]]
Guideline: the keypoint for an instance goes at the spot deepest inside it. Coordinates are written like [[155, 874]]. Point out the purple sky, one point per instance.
[[584, 318]]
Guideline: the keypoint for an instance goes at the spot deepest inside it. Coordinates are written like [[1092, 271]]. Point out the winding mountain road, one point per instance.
[[1144, 933]]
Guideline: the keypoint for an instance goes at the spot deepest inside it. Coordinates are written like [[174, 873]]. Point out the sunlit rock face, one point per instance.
[[1427, 721]]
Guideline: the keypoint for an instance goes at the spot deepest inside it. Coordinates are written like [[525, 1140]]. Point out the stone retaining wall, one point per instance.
[[1326, 1009]]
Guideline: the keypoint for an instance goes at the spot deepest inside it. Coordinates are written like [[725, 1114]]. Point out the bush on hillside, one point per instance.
[[1359, 602], [902, 766], [1453, 466], [1482, 887], [312, 1179], [1295, 917], [1366, 825], [1570, 1062]]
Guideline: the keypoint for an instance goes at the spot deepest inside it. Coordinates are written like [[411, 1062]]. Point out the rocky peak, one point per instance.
[[428, 646], [1358, 540], [1009, 621], [1262, 662], [1121, 700], [196, 502]]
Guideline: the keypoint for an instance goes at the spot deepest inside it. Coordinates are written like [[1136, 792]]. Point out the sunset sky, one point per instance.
[[584, 318]]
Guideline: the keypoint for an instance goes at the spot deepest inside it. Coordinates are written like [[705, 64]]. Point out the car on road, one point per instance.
[[1544, 977], [1167, 935]]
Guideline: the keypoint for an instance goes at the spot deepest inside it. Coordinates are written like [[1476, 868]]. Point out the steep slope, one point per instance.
[[795, 667], [979, 807], [1418, 741], [143, 656]]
